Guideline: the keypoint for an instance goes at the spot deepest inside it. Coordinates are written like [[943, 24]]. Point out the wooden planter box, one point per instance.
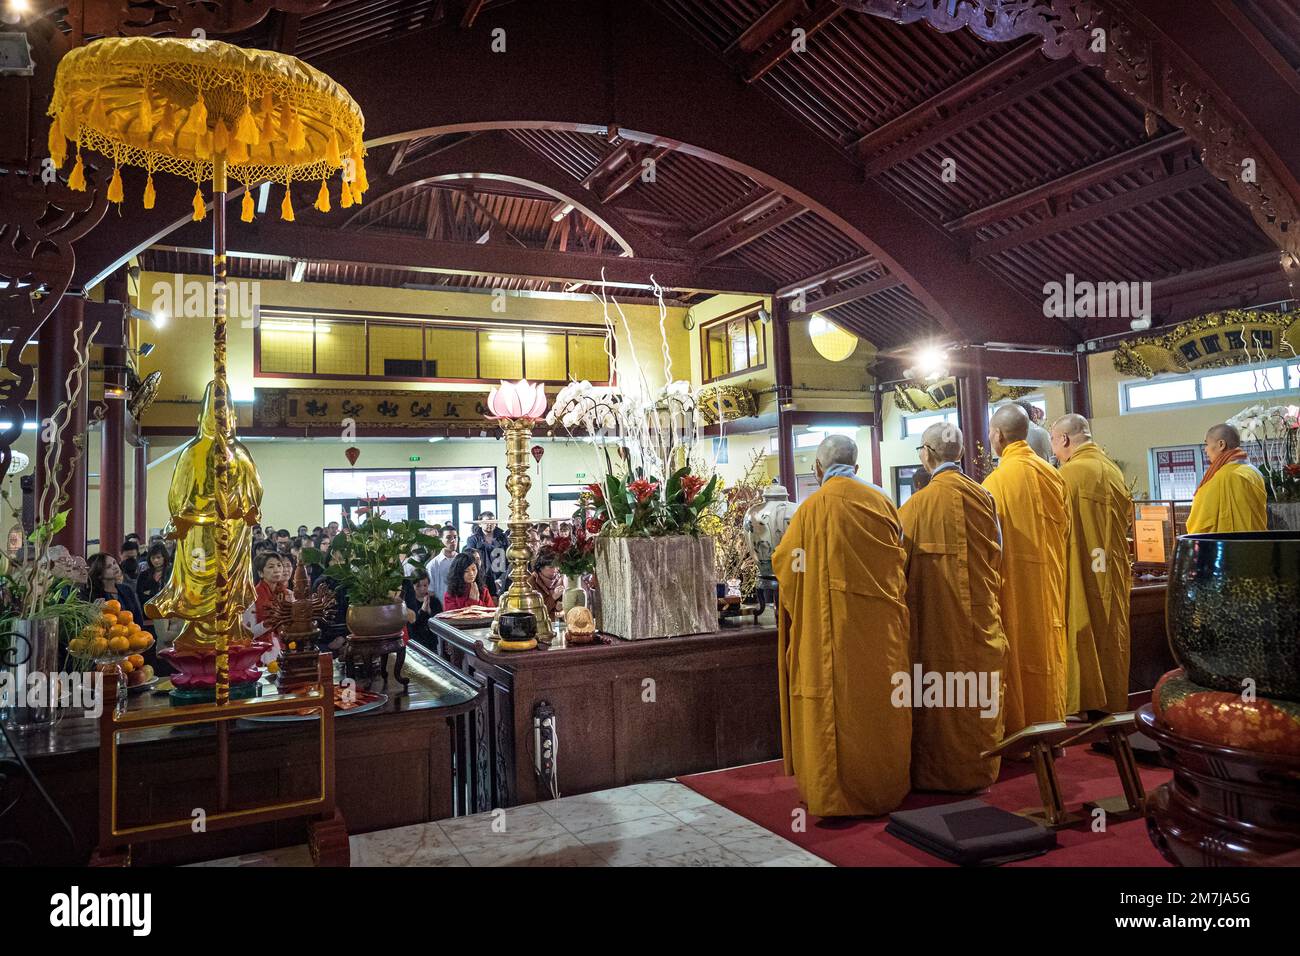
[[657, 587]]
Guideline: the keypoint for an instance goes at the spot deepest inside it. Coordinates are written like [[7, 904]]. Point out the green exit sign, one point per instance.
[[580, 475], [414, 458]]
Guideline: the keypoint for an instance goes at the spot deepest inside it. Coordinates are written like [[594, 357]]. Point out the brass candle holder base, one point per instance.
[[519, 596]]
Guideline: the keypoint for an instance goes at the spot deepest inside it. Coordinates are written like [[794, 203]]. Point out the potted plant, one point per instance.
[[365, 561]]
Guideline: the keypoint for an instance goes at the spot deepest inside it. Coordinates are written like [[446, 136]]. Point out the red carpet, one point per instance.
[[763, 794]]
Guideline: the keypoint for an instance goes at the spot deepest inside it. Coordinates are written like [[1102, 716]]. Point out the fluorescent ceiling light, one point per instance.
[[280, 325], [299, 270], [436, 438], [561, 213], [27, 426], [263, 196], [517, 338]]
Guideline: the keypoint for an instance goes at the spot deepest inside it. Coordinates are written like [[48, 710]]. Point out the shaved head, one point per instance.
[[1225, 433], [1069, 434], [837, 450], [943, 440], [1008, 424], [1076, 426]]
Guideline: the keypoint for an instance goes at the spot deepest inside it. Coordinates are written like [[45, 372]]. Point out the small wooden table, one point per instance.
[[622, 712]]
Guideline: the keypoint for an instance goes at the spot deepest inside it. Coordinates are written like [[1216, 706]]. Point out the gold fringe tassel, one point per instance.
[[58, 145], [221, 138], [149, 194], [323, 198], [146, 112], [200, 207], [246, 128], [286, 205], [115, 185], [246, 207], [77, 180]]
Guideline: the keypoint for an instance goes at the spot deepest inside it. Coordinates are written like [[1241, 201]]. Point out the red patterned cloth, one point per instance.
[[1264, 725]]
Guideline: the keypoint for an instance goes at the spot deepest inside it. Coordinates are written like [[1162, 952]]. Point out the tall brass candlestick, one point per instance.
[[519, 596]]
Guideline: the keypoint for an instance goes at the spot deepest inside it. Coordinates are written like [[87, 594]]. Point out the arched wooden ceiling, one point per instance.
[[816, 170]]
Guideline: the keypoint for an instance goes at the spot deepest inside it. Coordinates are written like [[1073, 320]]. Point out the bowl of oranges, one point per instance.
[[116, 638]]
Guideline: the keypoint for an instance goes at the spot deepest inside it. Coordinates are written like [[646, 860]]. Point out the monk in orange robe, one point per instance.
[[843, 635], [1099, 577], [1231, 495], [1030, 496], [954, 550]]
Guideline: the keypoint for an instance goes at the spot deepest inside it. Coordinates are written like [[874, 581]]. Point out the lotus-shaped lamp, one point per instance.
[[521, 399]]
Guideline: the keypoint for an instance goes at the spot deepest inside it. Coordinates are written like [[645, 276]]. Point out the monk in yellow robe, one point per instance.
[[1099, 577], [191, 592], [954, 550], [1031, 506], [1231, 495], [843, 627]]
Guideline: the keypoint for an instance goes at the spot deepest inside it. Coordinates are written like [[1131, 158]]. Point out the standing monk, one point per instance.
[[1098, 576], [1231, 496], [1031, 505], [843, 635], [954, 549]]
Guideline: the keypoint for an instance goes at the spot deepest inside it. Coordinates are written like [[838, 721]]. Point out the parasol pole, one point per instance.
[[219, 391]]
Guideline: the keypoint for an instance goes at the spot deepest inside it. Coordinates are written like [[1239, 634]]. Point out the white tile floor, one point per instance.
[[647, 824]]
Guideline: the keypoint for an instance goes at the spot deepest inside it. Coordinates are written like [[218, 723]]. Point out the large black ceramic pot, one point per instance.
[[1234, 611]]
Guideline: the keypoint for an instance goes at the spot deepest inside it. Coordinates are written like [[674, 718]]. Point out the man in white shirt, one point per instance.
[[441, 562]]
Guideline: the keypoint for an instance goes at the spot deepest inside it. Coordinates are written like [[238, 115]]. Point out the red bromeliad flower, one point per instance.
[[597, 492], [643, 489], [594, 525], [692, 485]]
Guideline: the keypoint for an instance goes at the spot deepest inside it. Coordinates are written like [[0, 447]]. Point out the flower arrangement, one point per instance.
[[651, 438], [1274, 430], [366, 559], [575, 554], [734, 556]]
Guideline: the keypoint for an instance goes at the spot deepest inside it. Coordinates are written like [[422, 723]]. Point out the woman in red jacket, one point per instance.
[[463, 588]]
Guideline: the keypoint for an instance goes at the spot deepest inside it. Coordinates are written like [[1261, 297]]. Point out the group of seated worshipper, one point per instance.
[[1011, 598]]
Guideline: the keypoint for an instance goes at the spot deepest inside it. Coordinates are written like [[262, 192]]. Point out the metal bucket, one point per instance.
[[28, 647]]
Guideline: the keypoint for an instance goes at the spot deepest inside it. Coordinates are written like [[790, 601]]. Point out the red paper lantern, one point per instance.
[[538, 451], [353, 454]]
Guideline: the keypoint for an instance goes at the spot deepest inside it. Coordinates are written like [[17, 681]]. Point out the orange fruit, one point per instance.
[[118, 644], [99, 647], [94, 631], [124, 617], [117, 630], [133, 628], [127, 667], [138, 641], [136, 660], [112, 607]]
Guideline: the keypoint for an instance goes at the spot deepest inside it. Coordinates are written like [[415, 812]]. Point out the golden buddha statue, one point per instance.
[[191, 592]]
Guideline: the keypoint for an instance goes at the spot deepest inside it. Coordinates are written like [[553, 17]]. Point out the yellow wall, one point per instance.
[[184, 355]]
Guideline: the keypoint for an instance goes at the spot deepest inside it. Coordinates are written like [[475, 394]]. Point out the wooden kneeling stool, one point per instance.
[[1043, 741], [1116, 728]]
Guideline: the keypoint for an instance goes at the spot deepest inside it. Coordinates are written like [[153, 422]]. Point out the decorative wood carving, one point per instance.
[[180, 18]]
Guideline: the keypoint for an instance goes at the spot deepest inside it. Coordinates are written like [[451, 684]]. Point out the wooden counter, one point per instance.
[[624, 712], [395, 766]]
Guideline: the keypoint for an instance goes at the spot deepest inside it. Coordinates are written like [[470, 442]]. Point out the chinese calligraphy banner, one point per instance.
[[323, 407]]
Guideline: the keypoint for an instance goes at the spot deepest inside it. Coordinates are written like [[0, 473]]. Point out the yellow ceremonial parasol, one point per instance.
[[208, 111]]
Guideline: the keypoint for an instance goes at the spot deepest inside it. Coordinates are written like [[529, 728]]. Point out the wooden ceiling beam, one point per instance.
[[624, 180], [1047, 74], [852, 293], [766, 26], [760, 64], [1095, 174], [937, 107], [472, 9], [761, 201], [1093, 211], [270, 240], [844, 270], [750, 231]]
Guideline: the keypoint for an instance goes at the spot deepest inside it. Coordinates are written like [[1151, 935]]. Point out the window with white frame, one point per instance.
[[915, 425], [1269, 380]]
